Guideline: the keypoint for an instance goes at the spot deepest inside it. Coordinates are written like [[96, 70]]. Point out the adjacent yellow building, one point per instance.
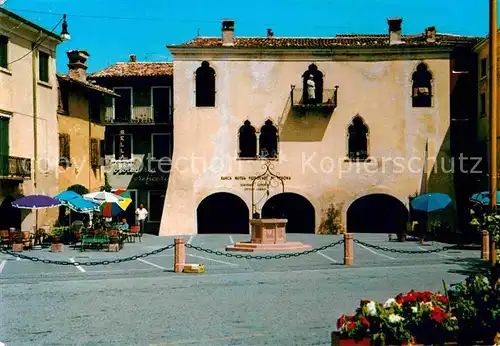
[[80, 116], [346, 121]]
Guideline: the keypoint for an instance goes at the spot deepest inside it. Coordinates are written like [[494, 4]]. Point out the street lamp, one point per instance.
[[64, 33]]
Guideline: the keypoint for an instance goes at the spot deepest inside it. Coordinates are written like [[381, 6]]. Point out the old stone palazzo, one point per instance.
[[346, 121]]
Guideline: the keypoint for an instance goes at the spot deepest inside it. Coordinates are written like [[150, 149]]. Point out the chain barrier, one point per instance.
[[381, 248], [89, 263], [267, 257]]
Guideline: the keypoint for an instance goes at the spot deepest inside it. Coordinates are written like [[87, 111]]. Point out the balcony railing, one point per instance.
[[12, 167], [139, 115], [327, 102]]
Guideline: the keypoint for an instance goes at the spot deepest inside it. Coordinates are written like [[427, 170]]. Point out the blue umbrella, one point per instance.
[[81, 205], [36, 202], [484, 197], [431, 202], [66, 196]]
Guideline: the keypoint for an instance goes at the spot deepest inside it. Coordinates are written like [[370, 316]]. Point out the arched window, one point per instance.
[[422, 87], [248, 140], [358, 139], [312, 92], [268, 140], [205, 85]]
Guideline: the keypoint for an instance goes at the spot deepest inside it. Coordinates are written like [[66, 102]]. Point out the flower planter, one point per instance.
[[17, 247], [57, 247], [402, 237], [56, 239], [338, 341], [113, 239]]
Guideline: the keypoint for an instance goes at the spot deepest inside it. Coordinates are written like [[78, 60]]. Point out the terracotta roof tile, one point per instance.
[[136, 69], [350, 40], [87, 84]]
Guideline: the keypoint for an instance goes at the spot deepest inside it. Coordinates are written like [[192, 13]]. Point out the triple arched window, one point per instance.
[[262, 144]]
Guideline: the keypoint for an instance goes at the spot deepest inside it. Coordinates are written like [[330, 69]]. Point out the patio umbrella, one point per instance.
[[431, 202], [483, 197], [110, 209], [66, 196], [81, 205], [103, 197], [36, 202]]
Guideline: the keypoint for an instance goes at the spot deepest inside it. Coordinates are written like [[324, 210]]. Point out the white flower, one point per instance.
[[389, 302], [429, 304], [395, 318], [414, 309], [371, 309], [485, 280]]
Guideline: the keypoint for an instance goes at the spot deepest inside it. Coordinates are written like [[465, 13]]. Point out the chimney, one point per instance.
[[430, 34], [270, 33], [133, 58], [395, 30], [228, 32], [78, 64]]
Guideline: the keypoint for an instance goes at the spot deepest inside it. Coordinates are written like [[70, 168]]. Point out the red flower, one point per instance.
[[342, 320], [438, 314], [351, 325], [364, 302], [442, 299], [365, 322]]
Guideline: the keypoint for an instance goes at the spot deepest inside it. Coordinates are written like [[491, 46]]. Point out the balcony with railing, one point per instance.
[[16, 168], [325, 101], [138, 115]]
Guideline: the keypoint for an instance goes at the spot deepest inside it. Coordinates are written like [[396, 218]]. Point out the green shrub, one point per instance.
[[331, 223]]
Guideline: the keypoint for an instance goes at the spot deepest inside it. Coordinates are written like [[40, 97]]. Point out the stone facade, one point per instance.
[[253, 79]]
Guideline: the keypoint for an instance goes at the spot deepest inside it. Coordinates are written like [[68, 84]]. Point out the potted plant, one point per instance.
[[56, 246]]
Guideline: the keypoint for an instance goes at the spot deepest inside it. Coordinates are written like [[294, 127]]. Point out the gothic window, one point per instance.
[[358, 139], [205, 86], [248, 140], [422, 88], [268, 140], [312, 81]]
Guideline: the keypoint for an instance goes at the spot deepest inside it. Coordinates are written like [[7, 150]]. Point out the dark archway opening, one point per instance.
[[377, 213], [296, 209], [223, 212], [9, 215]]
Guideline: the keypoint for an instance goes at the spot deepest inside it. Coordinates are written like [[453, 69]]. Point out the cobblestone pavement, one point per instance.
[[293, 301]]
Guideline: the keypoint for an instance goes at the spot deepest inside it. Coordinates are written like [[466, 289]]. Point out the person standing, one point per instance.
[[141, 215]]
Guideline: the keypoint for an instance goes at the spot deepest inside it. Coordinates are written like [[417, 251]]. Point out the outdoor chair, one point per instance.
[[5, 238], [94, 240], [135, 232], [27, 239]]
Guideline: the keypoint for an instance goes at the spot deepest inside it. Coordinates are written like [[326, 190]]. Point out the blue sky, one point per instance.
[[144, 27]]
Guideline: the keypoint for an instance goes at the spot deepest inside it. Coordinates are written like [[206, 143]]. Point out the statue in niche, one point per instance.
[[311, 89]]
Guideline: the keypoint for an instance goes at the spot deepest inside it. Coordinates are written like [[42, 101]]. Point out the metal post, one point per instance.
[[485, 245], [493, 252], [493, 101], [179, 255], [348, 249]]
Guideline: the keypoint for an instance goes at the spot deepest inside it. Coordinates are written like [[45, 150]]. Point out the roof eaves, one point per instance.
[[87, 85], [30, 23]]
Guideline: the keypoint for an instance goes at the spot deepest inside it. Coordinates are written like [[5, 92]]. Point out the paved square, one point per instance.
[[288, 301]]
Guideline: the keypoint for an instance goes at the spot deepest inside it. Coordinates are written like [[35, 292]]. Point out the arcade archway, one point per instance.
[[9, 215], [222, 212], [296, 209], [377, 213]]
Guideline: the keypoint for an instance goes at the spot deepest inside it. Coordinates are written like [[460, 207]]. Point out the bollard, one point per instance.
[[179, 255], [485, 245], [493, 252], [348, 249]]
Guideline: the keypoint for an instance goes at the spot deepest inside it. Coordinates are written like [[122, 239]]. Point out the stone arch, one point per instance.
[[9, 215], [269, 140], [422, 81], [376, 212], [358, 134], [247, 140], [297, 209], [318, 78], [205, 85], [222, 212]]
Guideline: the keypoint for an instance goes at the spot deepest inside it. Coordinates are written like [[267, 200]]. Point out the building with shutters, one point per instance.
[[348, 121], [80, 114], [28, 118], [139, 133]]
